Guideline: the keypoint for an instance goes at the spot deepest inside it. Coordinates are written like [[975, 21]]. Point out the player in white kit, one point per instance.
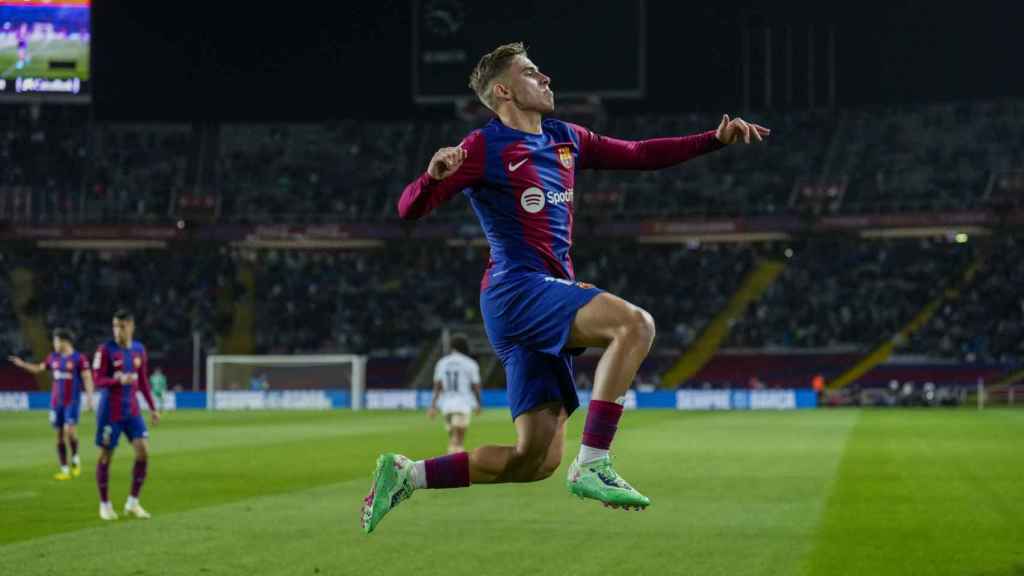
[[456, 392]]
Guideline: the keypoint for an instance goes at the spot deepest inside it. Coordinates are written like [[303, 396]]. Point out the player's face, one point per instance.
[[531, 90], [123, 330], [62, 346]]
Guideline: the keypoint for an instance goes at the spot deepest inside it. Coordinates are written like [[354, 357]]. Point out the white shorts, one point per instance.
[[456, 420], [456, 403]]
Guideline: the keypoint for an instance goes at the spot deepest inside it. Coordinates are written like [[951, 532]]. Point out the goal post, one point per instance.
[[271, 380]]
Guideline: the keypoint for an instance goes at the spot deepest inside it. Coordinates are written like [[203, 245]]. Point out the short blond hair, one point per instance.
[[490, 66]]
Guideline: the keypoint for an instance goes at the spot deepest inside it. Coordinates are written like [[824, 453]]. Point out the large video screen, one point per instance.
[[44, 47]]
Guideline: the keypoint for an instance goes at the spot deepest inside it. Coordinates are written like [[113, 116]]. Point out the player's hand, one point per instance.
[[729, 131], [16, 361], [432, 413], [154, 416], [119, 377], [445, 162]]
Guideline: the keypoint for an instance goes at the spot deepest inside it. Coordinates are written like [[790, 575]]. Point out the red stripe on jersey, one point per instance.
[[568, 174], [115, 403], [117, 392], [486, 280], [135, 408], [536, 226]]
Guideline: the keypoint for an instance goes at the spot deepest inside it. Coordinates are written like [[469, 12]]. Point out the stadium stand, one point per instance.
[[837, 293], [936, 157]]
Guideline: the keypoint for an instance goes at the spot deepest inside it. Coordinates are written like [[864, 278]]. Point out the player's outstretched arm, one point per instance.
[[450, 170], [27, 366], [601, 152]]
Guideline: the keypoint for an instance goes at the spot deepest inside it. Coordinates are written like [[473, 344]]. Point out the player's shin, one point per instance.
[[599, 430], [103, 479], [500, 464], [451, 471], [62, 454], [138, 477]]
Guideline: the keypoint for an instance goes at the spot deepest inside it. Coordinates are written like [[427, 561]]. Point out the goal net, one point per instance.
[[285, 382]]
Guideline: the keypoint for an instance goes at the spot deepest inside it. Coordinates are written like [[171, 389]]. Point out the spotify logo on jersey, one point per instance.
[[532, 200]]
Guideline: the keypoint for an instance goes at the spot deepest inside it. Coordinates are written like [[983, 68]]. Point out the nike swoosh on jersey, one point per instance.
[[513, 166]]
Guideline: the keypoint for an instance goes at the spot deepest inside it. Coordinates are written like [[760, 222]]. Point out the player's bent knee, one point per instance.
[[548, 467], [649, 327], [640, 326], [531, 453], [530, 462], [545, 471]]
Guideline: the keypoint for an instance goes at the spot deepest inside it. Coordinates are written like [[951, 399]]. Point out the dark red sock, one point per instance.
[[602, 422], [138, 477], [62, 453], [74, 447], [451, 471], [103, 479]]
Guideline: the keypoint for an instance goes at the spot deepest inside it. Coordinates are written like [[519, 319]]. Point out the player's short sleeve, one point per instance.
[[474, 373]]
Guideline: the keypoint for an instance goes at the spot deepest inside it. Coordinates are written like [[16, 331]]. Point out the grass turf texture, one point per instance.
[[813, 492]]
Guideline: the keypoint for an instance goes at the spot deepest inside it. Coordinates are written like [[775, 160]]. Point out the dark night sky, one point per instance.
[[181, 61]]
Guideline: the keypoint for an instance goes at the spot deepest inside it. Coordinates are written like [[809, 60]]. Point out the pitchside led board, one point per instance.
[[44, 49], [588, 48]]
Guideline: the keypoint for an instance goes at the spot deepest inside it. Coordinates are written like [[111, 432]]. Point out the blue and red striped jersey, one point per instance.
[[522, 187], [120, 399], [67, 377]]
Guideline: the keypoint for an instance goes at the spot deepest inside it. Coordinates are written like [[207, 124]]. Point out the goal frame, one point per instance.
[[358, 362]]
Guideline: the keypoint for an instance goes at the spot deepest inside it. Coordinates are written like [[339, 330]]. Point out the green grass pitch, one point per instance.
[[813, 492], [40, 54]]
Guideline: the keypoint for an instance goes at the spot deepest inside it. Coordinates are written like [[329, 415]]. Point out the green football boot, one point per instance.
[[599, 481], [392, 483]]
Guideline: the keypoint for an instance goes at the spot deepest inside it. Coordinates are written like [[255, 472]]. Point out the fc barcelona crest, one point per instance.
[[565, 155], [69, 365], [136, 361]]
